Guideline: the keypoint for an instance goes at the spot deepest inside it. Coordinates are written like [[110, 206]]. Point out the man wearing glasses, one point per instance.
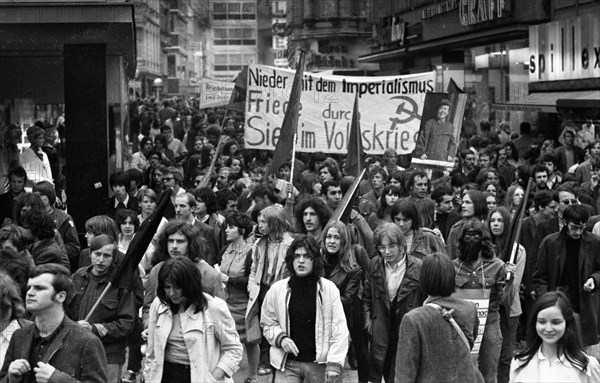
[[570, 261], [565, 196], [391, 290]]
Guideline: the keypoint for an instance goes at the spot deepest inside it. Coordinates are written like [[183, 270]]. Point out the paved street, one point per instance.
[[350, 376]]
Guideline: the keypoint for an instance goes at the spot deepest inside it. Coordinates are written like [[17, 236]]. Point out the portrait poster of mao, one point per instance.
[[439, 132]]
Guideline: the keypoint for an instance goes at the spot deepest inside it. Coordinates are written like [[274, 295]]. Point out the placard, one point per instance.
[[390, 110]]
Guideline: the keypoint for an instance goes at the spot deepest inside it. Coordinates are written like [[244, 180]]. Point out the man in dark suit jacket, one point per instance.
[[54, 348], [120, 183]]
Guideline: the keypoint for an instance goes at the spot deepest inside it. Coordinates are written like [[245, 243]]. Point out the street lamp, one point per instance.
[[157, 85]]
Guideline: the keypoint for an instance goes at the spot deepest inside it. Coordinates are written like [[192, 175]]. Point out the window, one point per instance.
[[235, 36], [234, 11], [248, 11], [171, 66], [233, 61]]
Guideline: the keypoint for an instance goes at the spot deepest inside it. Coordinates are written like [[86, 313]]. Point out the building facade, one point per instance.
[[67, 65], [333, 33], [147, 22], [483, 46]]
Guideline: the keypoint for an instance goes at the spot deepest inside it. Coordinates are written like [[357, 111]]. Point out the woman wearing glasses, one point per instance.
[[391, 290], [481, 275]]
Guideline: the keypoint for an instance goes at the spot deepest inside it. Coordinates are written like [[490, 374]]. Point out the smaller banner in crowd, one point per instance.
[[390, 110], [214, 93], [481, 299]]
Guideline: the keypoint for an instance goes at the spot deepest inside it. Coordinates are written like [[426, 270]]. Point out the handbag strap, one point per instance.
[[449, 318]]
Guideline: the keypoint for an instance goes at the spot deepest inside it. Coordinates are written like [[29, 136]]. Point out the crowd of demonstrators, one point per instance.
[[253, 250]]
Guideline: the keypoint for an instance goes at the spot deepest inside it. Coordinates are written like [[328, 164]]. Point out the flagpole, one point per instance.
[[95, 306], [290, 192]]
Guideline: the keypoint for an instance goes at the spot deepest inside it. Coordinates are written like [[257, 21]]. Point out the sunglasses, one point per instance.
[[569, 202]]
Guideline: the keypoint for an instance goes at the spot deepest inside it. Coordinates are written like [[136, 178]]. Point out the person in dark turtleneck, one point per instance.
[[303, 318]]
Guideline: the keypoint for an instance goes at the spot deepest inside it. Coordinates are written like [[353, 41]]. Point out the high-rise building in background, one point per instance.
[[333, 32], [147, 23]]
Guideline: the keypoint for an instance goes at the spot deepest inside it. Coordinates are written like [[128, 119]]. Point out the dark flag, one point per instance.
[[238, 95], [286, 143], [123, 274], [354, 161], [344, 209], [453, 87]]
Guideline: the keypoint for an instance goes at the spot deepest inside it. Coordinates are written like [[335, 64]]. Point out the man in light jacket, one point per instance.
[[303, 319]]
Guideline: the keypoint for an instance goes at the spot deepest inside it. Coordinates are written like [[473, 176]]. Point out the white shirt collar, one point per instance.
[[401, 263]]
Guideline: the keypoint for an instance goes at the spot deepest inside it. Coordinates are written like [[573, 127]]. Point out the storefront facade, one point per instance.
[[482, 46], [68, 64], [564, 70]]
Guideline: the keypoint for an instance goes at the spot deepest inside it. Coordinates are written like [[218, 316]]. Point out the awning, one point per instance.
[[56, 23], [547, 101], [460, 41]]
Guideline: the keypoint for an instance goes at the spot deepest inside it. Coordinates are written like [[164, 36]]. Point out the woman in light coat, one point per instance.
[[191, 335]]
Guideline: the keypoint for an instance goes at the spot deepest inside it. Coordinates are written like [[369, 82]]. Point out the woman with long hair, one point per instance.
[[554, 351], [478, 268], [206, 156], [190, 337], [236, 261], [389, 196], [128, 223], [236, 164], [491, 200], [498, 223], [420, 240], [343, 265], [514, 196]]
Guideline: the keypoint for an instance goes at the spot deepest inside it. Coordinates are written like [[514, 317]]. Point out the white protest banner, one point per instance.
[[214, 93], [390, 110]]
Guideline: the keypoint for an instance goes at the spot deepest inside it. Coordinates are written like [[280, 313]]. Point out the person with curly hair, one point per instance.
[[311, 217]]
